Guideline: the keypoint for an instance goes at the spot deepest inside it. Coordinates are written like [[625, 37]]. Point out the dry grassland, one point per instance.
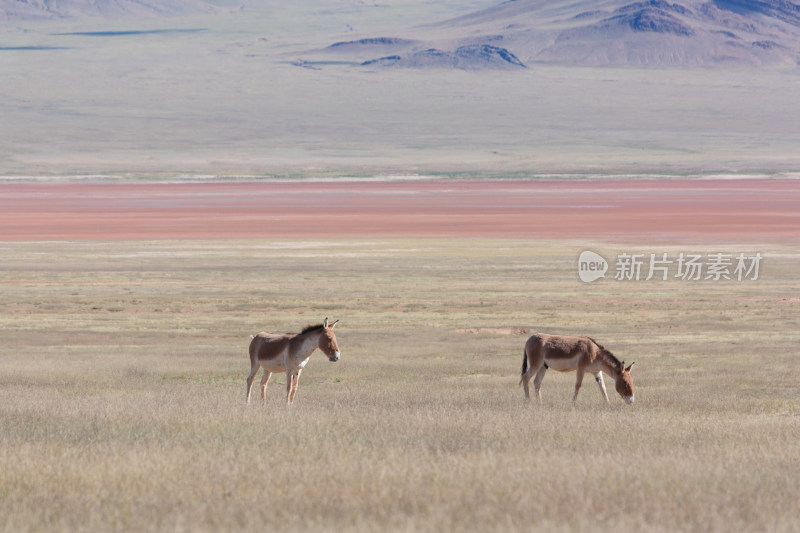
[[122, 391]]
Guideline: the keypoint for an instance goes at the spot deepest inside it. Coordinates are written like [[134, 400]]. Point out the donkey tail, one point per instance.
[[524, 365]]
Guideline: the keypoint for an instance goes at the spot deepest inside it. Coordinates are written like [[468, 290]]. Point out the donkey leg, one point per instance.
[[599, 379], [289, 383], [294, 389], [578, 381], [528, 372], [537, 383], [526, 378], [264, 382], [295, 382], [250, 379]]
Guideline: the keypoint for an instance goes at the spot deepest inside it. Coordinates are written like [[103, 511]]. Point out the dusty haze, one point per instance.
[[260, 91]]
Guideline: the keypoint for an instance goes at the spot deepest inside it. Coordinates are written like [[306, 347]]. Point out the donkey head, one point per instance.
[[624, 383], [327, 341]]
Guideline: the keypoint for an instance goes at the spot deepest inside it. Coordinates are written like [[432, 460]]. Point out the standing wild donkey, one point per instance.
[[289, 352], [565, 354]]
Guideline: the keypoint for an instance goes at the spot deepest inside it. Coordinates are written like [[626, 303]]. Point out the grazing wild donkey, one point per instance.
[[565, 354], [289, 352]]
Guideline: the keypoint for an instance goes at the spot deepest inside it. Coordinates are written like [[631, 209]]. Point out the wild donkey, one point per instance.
[[289, 352], [565, 354]]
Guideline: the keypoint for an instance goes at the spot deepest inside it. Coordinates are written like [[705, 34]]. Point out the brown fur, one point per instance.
[[565, 354], [265, 346]]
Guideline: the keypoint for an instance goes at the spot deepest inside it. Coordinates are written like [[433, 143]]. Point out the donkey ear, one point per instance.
[[325, 323], [629, 367], [334, 324]]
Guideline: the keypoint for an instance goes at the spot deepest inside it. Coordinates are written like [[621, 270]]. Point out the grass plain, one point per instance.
[[122, 390]]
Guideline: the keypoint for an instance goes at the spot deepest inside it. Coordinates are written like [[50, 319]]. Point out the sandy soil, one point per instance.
[[745, 210]]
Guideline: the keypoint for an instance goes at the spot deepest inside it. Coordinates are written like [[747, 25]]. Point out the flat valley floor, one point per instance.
[[126, 311]]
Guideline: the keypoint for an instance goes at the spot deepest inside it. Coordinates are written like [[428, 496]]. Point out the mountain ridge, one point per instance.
[[622, 32], [508, 35]]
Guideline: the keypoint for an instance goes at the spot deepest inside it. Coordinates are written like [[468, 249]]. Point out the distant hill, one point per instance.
[[596, 32], [469, 57], [26, 10]]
